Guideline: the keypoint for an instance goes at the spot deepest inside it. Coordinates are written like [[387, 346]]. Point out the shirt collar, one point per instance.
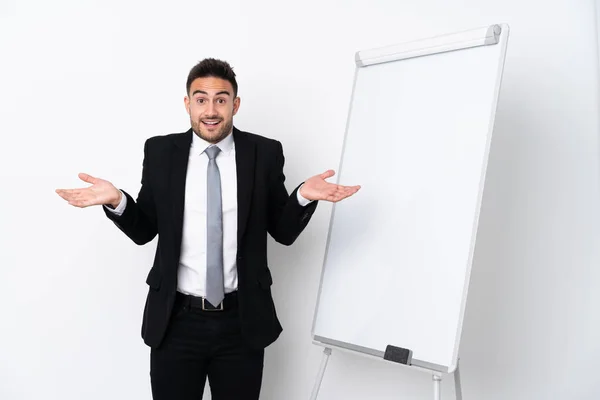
[[199, 144]]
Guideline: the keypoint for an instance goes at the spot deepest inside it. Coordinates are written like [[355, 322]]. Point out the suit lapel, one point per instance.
[[245, 158], [179, 164]]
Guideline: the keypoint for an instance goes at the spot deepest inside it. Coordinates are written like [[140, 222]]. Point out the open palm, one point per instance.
[[317, 188], [101, 192]]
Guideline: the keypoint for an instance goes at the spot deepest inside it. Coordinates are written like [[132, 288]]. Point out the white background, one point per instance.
[[84, 83]]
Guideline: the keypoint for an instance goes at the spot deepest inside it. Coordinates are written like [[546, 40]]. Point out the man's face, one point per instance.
[[211, 107]]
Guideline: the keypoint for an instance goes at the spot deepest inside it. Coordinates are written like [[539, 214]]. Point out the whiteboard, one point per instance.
[[399, 252]]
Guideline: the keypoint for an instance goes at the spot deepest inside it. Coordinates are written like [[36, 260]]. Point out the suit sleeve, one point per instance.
[[287, 218], [138, 220]]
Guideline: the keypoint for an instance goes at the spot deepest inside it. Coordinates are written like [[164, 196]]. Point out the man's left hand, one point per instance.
[[316, 188]]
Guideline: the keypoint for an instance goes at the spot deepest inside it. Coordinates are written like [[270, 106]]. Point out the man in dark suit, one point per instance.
[[211, 194]]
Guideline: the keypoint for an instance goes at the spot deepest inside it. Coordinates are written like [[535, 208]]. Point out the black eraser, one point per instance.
[[398, 354]]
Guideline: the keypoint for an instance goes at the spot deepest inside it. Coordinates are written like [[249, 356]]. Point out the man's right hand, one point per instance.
[[100, 193]]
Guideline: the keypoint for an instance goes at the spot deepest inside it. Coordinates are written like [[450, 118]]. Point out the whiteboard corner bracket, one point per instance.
[[359, 62], [493, 34]]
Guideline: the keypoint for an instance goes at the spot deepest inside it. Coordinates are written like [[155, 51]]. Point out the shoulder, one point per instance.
[[164, 142], [170, 138], [262, 142]]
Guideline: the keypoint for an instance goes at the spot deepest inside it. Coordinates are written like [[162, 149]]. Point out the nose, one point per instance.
[[211, 110]]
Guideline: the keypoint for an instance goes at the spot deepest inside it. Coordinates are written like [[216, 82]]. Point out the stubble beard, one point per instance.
[[215, 136]]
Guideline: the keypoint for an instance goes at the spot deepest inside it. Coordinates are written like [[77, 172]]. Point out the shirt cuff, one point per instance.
[[120, 208], [301, 200]]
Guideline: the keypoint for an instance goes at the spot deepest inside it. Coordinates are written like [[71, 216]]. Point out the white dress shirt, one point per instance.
[[191, 274]]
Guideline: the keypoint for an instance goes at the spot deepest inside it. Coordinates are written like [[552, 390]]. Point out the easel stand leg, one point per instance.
[[437, 387], [457, 385], [315, 392]]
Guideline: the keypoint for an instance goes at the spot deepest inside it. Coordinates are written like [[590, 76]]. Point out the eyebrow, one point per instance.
[[218, 93]]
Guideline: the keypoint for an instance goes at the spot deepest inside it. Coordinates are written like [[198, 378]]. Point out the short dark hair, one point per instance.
[[214, 68]]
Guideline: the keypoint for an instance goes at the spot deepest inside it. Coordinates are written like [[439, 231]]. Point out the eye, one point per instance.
[[200, 100], [221, 101]]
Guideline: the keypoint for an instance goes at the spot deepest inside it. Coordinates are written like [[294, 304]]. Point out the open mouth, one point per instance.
[[210, 123]]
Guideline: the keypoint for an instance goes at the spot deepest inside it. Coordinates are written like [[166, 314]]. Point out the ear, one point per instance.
[[236, 105], [186, 101]]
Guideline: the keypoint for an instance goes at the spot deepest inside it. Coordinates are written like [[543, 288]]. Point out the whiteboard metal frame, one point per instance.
[[598, 29], [436, 376], [597, 5], [434, 45], [496, 34]]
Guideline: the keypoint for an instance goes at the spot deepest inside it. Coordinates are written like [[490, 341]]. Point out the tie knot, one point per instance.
[[212, 152]]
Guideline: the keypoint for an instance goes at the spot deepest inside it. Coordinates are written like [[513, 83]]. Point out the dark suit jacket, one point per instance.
[[264, 206]]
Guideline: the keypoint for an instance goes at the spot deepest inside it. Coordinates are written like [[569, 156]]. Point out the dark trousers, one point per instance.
[[201, 344]]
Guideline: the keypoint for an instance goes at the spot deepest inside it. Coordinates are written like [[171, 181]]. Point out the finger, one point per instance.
[[350, 187], [68, 194], [67, 191], [342, 193], [347, 189], [333, 192], [78, 197], [88, 178], [83, 199], [327, 174]]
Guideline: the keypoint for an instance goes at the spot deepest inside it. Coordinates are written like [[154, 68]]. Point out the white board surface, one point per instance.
[[399, 252]]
